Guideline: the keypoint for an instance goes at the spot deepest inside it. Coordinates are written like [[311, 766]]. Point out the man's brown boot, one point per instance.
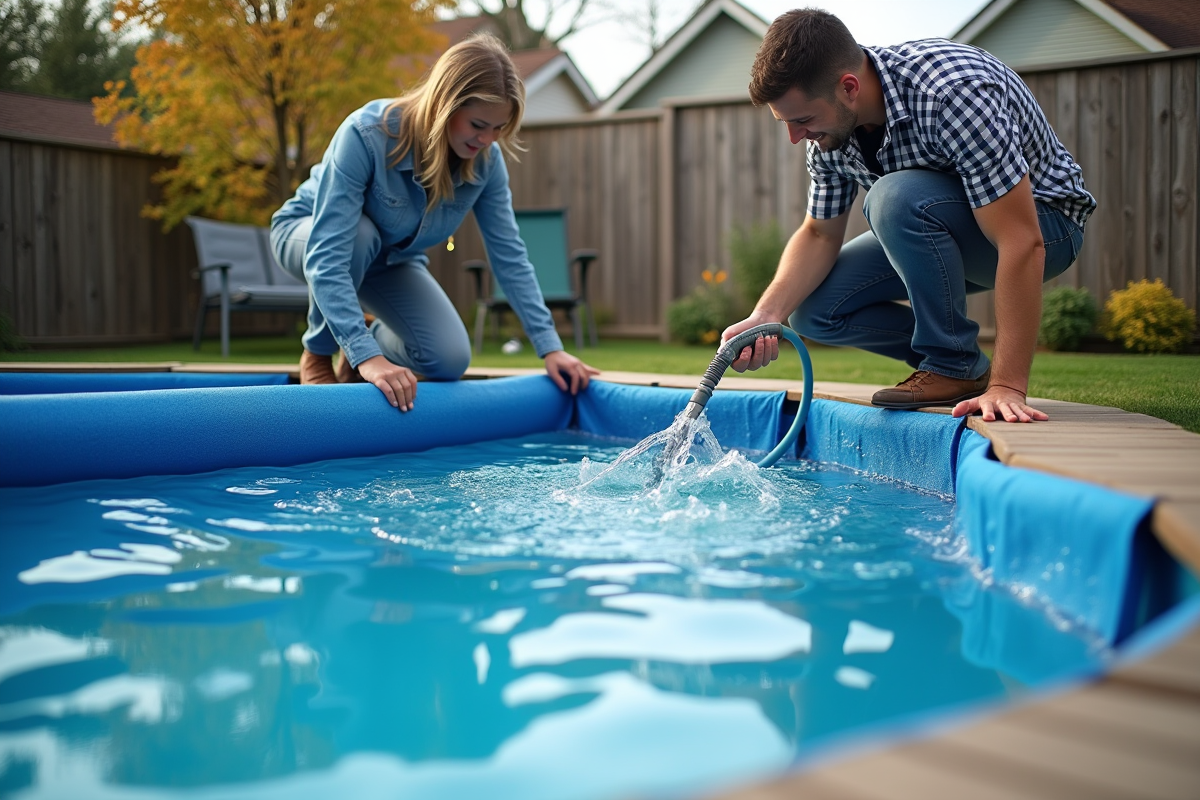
[[316, 369], [347, 373], [923, 389]]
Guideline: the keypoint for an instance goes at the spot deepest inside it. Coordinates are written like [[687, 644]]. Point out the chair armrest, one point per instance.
[[196, 273], [584, 258], [476, 268]]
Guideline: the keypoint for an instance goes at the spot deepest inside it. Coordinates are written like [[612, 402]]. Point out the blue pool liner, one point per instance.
[[67, 382], [745, 420], [917, 449], [1114, 575]]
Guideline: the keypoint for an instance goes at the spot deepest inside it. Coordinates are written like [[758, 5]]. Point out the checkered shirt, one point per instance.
[[954, 108]]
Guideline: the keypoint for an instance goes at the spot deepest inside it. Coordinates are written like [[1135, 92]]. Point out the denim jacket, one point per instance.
[[353, 178]]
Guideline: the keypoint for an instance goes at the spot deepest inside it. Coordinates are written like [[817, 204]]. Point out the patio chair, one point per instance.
[[545, 235], [238, 272]]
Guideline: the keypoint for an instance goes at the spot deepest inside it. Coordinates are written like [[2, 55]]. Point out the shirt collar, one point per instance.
[[893, 102], [406, 165]]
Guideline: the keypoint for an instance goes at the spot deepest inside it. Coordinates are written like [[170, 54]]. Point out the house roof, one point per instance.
[[687, 33], [53, 119], [537, 67], [1176, 23], [1156, 25]]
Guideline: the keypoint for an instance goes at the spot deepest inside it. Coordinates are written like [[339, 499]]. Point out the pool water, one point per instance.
[[529, 618]]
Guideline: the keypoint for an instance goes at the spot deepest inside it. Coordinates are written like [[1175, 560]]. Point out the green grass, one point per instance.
[[1167, 387]]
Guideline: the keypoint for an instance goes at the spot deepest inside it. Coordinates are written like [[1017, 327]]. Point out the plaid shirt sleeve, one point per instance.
[[830, 194], [978, 133]]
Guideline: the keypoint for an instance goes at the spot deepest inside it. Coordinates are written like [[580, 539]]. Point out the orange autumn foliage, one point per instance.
[[247, 95]]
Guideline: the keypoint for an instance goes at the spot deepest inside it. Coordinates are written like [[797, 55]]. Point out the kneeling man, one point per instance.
[[970, 190]]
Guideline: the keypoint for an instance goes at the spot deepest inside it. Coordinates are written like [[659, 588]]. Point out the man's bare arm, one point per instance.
[[806, 262], [1011, 224]]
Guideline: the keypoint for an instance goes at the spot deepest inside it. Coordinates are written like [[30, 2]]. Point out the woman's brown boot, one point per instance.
[[316, 369], [346, 373]]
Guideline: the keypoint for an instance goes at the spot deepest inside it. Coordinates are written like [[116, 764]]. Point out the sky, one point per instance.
[[608, 53]]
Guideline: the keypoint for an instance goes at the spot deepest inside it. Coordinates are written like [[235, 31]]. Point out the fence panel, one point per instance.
[[656, 192]]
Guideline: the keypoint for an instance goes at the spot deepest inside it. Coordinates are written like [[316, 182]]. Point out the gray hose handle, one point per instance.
[[721, 361]]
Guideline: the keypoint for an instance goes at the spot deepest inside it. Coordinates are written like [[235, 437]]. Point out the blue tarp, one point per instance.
[[64, 382], [69, 437]]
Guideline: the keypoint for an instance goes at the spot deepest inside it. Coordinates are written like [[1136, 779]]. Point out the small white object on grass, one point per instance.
[[511, 347]]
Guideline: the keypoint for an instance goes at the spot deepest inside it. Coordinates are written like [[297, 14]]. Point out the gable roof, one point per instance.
[[52, 119], [537, 67], [1155, 25], [679, 41]]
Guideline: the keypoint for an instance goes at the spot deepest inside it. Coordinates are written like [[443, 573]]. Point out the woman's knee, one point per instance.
[[367, 244], [447, 361]]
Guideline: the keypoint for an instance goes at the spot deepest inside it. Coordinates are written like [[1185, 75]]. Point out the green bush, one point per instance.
[[10, 341], [1149, 318], [755, 253], [700, 317], [1067, 316]]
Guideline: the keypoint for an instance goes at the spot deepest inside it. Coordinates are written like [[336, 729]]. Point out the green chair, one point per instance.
[[545, 235]]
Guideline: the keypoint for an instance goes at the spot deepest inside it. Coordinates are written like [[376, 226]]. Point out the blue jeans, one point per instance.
[[416, 325], [924, 246]]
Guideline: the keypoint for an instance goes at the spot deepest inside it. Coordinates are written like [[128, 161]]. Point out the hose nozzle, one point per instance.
[[725, 356]]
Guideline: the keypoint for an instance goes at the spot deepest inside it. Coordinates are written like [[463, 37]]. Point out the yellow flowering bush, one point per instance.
[[700, 317], [1149, 318]]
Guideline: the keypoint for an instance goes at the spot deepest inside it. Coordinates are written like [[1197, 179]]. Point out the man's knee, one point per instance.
[[811, 320], [891, 195]]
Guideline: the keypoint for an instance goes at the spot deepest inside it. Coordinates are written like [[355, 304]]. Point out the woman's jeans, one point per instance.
[[416, 325], [924, 246]]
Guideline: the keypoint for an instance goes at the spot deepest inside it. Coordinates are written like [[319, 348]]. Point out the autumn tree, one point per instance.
[[247, 94], [526, 25]]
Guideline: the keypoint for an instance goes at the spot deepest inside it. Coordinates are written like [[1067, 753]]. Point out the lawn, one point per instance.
[[1167, 387]]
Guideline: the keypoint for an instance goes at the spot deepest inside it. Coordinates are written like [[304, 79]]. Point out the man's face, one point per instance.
[[829, 123]]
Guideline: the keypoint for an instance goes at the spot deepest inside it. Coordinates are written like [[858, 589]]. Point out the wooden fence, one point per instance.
[[656, 192]]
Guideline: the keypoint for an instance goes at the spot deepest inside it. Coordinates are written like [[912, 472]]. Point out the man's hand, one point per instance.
[[561, 366], [1009, 403], [764, 351], [397, 383]]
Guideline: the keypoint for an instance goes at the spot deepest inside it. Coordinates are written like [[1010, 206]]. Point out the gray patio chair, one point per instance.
[[545, 235], [238, 272]]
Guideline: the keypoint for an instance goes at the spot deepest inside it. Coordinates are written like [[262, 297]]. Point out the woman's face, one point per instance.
[[475, 126]]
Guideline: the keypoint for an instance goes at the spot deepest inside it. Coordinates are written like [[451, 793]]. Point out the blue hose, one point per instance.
[[729, 353]]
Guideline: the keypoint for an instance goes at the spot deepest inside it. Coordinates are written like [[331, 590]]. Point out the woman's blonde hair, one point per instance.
[[476, 69]]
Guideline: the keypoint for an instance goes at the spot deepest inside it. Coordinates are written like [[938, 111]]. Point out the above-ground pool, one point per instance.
[[296, 591]]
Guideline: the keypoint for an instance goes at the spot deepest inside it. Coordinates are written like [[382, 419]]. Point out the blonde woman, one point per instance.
[[398, 177]]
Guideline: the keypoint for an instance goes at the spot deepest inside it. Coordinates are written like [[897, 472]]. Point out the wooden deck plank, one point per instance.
[[1090, 763], [896, 776], [1159, 720]]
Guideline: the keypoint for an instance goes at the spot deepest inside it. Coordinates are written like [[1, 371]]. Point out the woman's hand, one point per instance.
[[562, 367], [397, 383]]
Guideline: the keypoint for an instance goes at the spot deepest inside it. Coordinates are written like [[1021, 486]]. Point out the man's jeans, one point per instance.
[[925, 247]]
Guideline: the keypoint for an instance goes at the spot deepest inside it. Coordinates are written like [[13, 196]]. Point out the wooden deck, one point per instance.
[[1134, 734]]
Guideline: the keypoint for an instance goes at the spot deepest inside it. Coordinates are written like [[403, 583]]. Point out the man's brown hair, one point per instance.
[[807, 49]]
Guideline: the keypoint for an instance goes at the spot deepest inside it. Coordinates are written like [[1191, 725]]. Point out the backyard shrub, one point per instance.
[[755, 252], [700, 317], [1149, 318], [1067, 316], [10, 341]]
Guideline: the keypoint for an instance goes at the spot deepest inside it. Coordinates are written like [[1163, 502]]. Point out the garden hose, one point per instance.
[[728, 353]]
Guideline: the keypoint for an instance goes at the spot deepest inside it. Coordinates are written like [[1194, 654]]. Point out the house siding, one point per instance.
[[1035, 32], [555, 100], [717, 63]]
